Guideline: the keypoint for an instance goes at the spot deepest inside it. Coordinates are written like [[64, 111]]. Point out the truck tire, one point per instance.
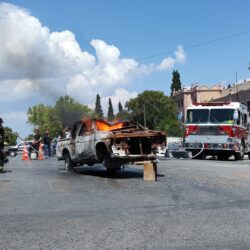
[[106, 161], [223, 157], [239, 156], [69, 164], [111, 167], [199, 157]]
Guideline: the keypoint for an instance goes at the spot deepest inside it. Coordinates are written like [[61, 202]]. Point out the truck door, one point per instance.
[[85, 146]]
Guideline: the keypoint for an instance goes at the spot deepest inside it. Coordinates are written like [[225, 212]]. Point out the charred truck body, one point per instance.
[[97, 141], [219, 129]]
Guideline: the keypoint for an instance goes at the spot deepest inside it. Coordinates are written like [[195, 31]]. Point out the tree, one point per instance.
[[68, 111], [40, 116], [10, 136], [122, 114], [64, 114], [176, 82], [110, 111], [98, 107], [156, 109], [120, 108]]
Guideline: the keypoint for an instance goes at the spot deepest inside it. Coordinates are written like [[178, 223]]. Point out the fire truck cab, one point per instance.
[[219, 129]]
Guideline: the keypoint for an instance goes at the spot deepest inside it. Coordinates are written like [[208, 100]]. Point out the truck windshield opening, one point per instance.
[[215, 116]]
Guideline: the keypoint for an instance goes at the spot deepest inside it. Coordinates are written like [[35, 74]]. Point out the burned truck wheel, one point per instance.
[[69, 164], [111, 167]]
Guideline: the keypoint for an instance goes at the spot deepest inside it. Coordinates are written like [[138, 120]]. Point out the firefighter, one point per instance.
[[2, 156]]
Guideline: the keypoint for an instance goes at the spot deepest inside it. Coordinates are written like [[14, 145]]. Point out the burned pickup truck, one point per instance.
[[113, 144]]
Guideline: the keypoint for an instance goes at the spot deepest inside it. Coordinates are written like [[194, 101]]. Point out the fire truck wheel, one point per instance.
[[223, 157], [240, 155], [200, 157]]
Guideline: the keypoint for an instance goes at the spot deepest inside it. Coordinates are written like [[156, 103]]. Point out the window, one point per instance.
[[197, 116], [248, 106], [82, 129], [221, 116]]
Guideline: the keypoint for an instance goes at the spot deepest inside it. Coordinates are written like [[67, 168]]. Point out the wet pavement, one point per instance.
[[195, 204]]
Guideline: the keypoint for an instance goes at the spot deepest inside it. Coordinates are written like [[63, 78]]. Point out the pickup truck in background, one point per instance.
[[113, 144]]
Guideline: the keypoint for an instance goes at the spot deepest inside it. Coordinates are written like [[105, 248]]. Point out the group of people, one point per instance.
[[49, 142]]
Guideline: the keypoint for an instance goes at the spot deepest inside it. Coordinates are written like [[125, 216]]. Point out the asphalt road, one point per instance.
[[195, 204]]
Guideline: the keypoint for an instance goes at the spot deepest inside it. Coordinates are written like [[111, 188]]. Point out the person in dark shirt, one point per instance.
[[47, 144], [37, 140], [2, 156]]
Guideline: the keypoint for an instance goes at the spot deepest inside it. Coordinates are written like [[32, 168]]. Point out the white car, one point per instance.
[[13, 150]]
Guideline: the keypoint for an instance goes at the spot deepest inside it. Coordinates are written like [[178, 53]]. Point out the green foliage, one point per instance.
[[176, 82], [10, 136], [30, 137], [64, 114], [68, 111], [124, 115], [98, 107], [40, 116], [110, 111], [158, 110], [120, 108], [171, 127]]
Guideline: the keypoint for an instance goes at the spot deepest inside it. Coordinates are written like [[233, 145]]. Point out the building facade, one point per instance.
[[239, 92], [196, 93]]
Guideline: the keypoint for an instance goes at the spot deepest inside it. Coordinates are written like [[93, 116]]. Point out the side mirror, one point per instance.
[[235, 116], [180, 116]]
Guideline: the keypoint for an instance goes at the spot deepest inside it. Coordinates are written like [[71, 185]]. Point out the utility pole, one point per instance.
[[236, 80], [144, 115]]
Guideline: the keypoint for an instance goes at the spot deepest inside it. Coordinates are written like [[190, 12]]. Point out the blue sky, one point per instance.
[[112, 30]]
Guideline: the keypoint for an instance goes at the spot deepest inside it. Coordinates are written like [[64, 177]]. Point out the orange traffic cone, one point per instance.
[[25, 155], [40, 152]]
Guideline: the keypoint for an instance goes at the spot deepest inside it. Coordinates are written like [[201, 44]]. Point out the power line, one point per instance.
[[196, 45]]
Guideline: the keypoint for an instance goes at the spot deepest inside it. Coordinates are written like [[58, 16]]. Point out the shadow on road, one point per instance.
[[126, 173]]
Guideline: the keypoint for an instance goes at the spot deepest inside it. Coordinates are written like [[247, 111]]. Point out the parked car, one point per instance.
[[14, 150], [175, 150]]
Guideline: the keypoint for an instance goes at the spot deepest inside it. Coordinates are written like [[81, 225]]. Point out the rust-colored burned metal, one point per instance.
[[120, 131]]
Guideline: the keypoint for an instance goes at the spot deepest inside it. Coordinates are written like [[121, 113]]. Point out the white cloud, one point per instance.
[[15, 90], [106, 54], [180, 55], [120, 95], [169, 62], [37, 62]]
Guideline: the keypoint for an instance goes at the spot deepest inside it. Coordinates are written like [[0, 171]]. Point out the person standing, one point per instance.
[[54, 143], [36, 142], [47, 144], [1, 146]]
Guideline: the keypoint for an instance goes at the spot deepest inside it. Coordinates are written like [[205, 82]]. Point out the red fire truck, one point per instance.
[[218, 129]]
